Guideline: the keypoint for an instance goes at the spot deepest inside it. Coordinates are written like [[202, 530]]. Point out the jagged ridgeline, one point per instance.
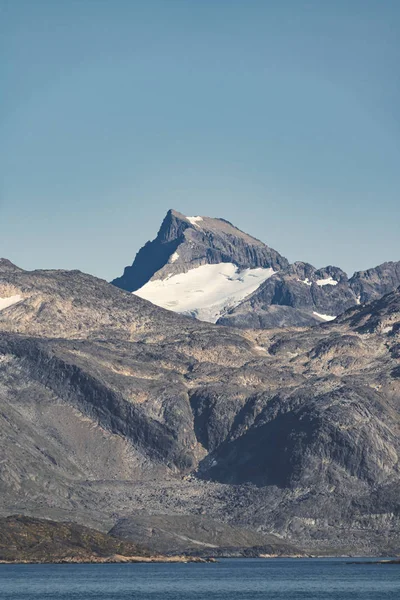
[[209, 269], [111, 407]]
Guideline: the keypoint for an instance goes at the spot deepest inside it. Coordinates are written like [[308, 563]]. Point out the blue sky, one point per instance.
[[282, 116]]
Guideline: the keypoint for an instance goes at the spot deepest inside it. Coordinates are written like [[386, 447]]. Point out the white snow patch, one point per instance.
[[205, 292], [306, 281], [6, 302], [174, 257], [194, 220], [328, 281], [358, 300], [324, 317]]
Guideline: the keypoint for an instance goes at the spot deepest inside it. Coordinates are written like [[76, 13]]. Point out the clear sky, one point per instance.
[[282, 116]]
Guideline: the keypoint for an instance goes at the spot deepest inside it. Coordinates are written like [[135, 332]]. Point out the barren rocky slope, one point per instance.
[[198, 535], [110, 405]]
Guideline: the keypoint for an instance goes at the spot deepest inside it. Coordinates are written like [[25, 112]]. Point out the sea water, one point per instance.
[[229, 579]]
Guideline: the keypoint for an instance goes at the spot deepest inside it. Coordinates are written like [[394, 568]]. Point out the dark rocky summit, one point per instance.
[[111, 406], [295, 295]]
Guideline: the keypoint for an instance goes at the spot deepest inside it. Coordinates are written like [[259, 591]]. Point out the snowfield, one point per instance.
[[306, 281], [320, 282], [329, 281], [195, 220], [206, 292], [6, 302], [324, 317]]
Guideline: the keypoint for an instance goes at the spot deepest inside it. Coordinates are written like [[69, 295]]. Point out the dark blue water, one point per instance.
[[280, 579]]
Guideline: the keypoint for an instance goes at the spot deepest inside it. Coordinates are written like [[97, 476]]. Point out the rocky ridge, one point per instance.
[[302, 295]]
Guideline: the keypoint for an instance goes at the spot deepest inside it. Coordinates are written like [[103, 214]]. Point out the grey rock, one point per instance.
[[375, 283]]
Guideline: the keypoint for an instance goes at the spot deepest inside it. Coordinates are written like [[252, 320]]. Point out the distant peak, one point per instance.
[[201, 240], [175, 213], [7, 265]]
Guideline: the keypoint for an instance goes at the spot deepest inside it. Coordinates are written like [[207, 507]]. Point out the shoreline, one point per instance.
[[181, 559], [114, 559]]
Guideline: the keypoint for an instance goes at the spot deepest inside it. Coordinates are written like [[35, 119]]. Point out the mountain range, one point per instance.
[[123, 416], [208, 269]]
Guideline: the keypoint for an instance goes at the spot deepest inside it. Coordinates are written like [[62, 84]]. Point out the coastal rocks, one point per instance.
[[25, 540]]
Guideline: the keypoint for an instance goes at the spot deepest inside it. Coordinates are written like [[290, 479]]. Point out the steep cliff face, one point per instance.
[[155, 254], [110, 405]]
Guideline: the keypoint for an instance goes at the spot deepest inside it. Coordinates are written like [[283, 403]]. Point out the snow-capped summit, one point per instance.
[[209, 269], [200, 266], [184, 243]]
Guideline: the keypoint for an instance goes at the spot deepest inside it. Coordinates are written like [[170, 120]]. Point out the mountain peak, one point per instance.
[[201, 240], [223, 263], [7, 266], [207, 268], [211, 224]]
